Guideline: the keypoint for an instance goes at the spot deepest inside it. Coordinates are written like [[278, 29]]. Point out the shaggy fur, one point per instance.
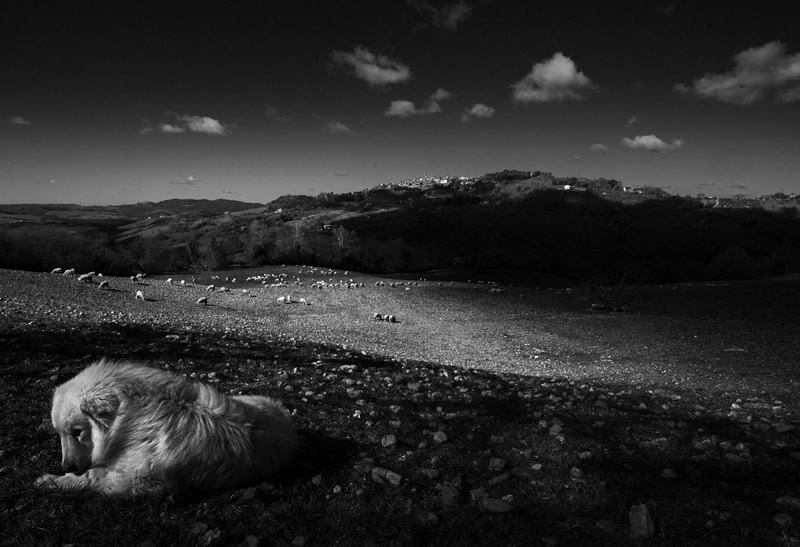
[[128, 429]]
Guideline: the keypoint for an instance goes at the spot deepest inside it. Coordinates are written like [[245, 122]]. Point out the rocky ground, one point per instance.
[[484, 415]]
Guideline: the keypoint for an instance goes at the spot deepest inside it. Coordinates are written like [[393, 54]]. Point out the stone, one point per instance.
[[783, 520], [497, 464], [788, 501], [388, 441], [642, 526], [490, 505], [669, 474], [450, 494]]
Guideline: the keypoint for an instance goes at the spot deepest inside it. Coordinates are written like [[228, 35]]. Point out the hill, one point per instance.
[[593, 230]]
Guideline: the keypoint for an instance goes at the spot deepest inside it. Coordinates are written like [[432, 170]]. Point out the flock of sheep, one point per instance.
[[268, 280]]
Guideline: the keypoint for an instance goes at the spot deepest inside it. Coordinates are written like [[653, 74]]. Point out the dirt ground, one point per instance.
[[559, 409]]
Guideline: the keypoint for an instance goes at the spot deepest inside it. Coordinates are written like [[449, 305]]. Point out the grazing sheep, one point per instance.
[[71, 271], [134, 279], [103, 285], [245, 292], [305, 302], [169, 281], [140, 275], [57, 270], [85, 278], [210, 288], [377, 317], [183, 282], [203, 300], [140, 296]]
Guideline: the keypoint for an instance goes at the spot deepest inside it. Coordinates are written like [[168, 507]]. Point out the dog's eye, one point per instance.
[[76, 432]]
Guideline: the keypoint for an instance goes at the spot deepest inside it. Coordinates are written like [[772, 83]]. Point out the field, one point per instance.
[[486, 414]]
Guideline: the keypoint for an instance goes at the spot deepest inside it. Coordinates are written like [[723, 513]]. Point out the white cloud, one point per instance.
[[195, 124], [760, 73], [598, 147], [338, 128], [401, 109], [204, 124], [169, 128], [556, 79], [232, 192], [376, 70], [19, 120], [188, 181], [404, 109], [341, 174], [478, 110], [651, 143], [632, 120], [447, 17]]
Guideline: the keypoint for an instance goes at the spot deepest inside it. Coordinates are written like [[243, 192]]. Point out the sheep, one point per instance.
[[85, 278], [391, 319], [71, 271], [245, 292], [103, 285], [57, 270], [134, 279], [377, 317], [140, 296], [169, 281], [140, 276], [183, 282], [305, 302], [210, 288], [203, 300]]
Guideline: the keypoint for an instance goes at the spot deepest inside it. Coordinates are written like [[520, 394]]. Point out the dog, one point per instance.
[[130, 430]]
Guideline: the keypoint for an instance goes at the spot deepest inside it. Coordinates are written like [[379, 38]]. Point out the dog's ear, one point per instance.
[[101, 405]]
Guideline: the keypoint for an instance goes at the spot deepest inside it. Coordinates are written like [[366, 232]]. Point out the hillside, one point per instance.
[[591, 230]]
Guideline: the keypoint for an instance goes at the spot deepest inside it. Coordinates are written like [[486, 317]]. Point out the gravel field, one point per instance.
[[739, 337]]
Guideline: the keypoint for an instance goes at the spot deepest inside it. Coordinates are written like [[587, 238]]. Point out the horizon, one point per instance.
[[114, 105]]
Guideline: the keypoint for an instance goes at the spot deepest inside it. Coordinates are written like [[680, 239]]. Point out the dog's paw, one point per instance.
[[47, 482]]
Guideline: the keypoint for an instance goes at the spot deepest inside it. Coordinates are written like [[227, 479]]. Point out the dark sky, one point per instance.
[[118, 103]]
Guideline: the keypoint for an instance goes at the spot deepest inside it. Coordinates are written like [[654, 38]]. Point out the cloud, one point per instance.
[[232, 192], [632, 120], [577, 157], [447, 17], [376, 70], [404, 109], [145, 130], [651, 143], [19, 120], [760, 74], [478, 110], [204, 124], [169, 128], [338, 128], [598, 147], [188, 181], [739, 186], [341, 174], [556, 79], [272, 114]]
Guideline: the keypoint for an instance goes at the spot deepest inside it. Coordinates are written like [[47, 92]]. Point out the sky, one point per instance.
[[115, 103]]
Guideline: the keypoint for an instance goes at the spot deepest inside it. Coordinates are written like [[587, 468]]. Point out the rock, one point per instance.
[[669, 474], [497, 464], [499, 479], [788, 501], [555, 429], [490, 505], [251, 541], [783, 520], [477, 494], [607, 526], [393, 478], [642, 526], [450, 494], [388, 441], [440, 437], [431, 473], [212, 538], [427, 518]]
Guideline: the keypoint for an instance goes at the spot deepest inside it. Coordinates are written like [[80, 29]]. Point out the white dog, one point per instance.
[[127, 429]]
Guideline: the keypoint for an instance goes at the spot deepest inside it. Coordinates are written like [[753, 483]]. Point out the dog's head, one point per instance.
[[82, 419]]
